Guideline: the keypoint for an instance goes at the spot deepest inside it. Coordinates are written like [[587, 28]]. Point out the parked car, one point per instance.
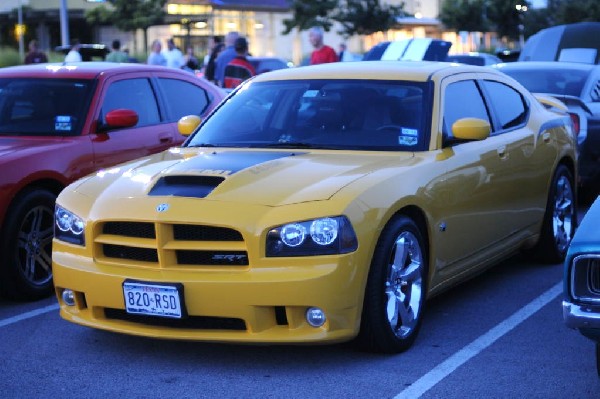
[[267, 64], [474, 58], [89, 52], [578, 86], [417, 49], [581, 304], [59, 123], [576, 42], [320, 204]]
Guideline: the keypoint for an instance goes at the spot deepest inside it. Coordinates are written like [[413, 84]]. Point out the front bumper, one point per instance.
[[253, 305], [584, 318]]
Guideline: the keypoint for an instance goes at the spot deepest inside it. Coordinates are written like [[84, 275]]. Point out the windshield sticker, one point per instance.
[[62, 122], [407, 140], [409, 132], [311, 93]]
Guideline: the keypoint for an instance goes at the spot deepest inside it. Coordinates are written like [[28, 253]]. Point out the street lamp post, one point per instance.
[[21, 30], [521, 9]]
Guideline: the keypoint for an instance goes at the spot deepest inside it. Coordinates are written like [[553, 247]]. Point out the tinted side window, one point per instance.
[[508, 104], [462, 100], [134, 94], [184, 98]]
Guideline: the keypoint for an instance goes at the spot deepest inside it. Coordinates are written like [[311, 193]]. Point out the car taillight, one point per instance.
[[576, 124]]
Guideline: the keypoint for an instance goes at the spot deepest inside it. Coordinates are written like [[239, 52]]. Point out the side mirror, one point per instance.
[[120, 118], [188, 124], [471, 129]]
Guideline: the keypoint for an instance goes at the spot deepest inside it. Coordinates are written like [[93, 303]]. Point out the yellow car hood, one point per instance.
[[261, 177]]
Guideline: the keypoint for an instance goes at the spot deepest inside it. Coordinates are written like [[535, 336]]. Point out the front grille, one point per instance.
[[131, 253], [212, 258], [594, 276], [192, 322], [585, 278], [204, 233], [130, 229], [166, 245]]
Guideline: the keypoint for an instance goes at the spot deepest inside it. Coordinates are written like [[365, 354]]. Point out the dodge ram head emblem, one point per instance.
[[162, 207]]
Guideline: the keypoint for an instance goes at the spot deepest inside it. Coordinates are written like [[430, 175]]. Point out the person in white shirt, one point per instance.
[[173, 55], [73, 54]]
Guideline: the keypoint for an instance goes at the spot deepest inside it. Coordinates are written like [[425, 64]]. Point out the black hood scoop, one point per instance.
[[186, 186]]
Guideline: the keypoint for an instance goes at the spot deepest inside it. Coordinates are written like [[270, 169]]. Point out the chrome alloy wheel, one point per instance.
[[564, 212], [34, 245], [404, 285]]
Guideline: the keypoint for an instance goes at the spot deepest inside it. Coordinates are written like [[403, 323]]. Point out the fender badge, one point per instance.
[[162, 207]]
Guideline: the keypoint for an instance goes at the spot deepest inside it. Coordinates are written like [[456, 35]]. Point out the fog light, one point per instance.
[[315, 317], [68, 297]]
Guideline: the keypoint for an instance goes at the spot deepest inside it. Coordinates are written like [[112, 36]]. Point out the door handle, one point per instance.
[[502, 152], [546, 137], [165, 138]]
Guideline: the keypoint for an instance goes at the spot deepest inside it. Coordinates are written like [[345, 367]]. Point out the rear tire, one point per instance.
[[396, 289], [26, 250], [560, 218]]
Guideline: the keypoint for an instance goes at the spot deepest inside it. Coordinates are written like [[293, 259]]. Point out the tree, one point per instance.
[[364, 17], [130, 15], [309, 13], [465, 15], [505, 18], [571, 11]]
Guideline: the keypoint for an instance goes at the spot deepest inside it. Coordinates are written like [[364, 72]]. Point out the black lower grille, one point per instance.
[[594, 271], [219, 258], [130, 253], [194, 322]]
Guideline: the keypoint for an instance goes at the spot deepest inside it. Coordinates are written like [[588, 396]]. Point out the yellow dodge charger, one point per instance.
[[320, 204]]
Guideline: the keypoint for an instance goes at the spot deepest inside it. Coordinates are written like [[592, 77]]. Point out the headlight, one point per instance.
[[68, 226], [323, 236]]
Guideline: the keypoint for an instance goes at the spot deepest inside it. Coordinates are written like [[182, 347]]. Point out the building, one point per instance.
[[193, 22]]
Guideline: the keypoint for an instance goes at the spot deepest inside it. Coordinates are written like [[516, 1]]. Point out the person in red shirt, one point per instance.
[[322, 53], [238, 69]]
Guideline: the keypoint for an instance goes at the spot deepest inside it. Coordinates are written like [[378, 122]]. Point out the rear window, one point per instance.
[[562, 81], [43, 107]]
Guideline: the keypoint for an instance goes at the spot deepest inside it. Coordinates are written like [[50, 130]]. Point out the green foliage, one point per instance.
[[465, 15], [571, 11], [9, 56], [309, 13], [129, 15], [364, 17], [500, 16]]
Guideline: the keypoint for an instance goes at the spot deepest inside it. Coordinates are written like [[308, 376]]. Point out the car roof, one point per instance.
[[419, 71], [546, 65], [77, 70]]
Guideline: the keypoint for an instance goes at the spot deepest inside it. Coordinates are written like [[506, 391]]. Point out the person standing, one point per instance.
[[209, 71], [173, 55], [116, 55], [155, 57], [322, 53], [73, 54], [225, 57], [35, 56], [238, 69]]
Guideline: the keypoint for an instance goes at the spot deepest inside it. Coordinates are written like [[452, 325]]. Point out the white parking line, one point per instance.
[[28, 315], [442, 370]]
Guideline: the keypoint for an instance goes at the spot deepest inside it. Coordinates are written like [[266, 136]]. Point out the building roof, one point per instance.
[[262, 5]]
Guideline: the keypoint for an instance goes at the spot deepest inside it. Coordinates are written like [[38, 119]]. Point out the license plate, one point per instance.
[[162, 300]]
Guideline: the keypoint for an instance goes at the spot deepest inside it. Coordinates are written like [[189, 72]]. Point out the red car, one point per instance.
[[61, 122]]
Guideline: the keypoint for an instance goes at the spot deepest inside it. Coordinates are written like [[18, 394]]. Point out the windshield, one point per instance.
[[565, 81], [43, 107], [329, 114]]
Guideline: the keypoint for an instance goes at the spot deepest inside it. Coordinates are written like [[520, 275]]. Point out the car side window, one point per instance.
[[509, 105], [462, 100], [184, 98], [134, 94]]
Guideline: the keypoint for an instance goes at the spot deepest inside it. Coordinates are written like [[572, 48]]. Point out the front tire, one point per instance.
[[26, 271], [560, 218], [396, 289]]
